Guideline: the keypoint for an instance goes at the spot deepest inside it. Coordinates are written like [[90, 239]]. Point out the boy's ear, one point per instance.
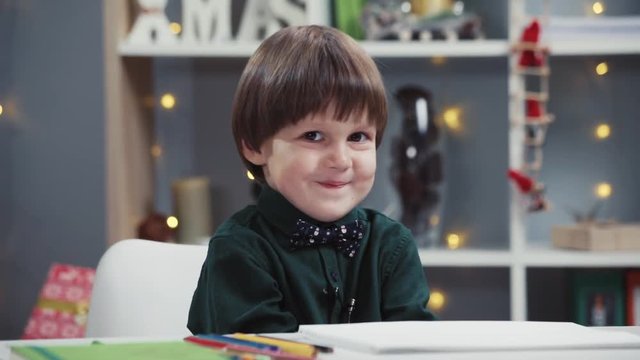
[[254, 156]]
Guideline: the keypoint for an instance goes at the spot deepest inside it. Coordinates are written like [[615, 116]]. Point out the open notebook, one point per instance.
[[424, 336]]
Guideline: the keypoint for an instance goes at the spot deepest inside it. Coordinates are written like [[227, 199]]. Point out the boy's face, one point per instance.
[[322, 166]]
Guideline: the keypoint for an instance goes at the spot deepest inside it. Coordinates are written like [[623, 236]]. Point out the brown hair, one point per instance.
[[299, 71]]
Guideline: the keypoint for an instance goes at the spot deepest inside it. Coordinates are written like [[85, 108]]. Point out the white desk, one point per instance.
[[339, 354]]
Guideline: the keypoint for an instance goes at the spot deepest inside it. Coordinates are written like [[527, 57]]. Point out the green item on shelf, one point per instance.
[[130, 351], [598, 297], [347, 15]]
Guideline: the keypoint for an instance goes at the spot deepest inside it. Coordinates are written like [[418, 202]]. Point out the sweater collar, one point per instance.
[[277, 210]]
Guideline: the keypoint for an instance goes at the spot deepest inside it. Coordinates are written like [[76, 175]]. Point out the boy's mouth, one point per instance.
[[333, 184]]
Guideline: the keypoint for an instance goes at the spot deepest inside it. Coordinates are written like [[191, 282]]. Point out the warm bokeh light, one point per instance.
[[454, 241], [438, 60], [172, 222], [603, 190], [250, 175], [452, 119], [603, 131], [597, 7], [168, 101], [434, 220], [602, 68], [437, 300], [175, 28], [156, 151], [1, 109]]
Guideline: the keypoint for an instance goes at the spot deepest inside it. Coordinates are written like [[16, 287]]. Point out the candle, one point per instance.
[[192, 207]]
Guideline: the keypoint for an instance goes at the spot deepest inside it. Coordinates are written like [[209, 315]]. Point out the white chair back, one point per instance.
[[144, 288]]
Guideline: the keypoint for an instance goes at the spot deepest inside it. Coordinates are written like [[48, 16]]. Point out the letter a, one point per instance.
[[152, 19]]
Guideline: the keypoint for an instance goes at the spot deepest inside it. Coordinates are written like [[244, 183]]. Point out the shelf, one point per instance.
[[461, 48], [597, 46], [534, 256], [464, 258], [381, 49], [416, 49], [541, 256], [221, 50], [477, 48]]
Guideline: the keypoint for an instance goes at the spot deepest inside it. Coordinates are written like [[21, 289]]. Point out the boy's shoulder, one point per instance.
[[238, 224], [388, 237], [385, 231], [381, 222]]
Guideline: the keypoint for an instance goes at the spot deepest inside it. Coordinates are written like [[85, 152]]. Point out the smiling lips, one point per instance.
[[333, 184]]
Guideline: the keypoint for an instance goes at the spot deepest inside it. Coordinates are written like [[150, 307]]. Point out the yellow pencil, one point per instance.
[[284, 345]]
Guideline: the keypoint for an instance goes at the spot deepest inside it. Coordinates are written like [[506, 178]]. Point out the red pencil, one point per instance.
[[245, 349]]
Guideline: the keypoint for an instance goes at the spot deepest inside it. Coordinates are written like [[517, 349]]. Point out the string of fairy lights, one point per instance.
[[602, 131], [451, 118]]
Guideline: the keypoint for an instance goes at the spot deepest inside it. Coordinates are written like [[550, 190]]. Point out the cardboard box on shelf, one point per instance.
[[597, 236]]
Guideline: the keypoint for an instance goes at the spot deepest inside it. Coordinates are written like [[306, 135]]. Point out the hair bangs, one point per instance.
[[334, 73]]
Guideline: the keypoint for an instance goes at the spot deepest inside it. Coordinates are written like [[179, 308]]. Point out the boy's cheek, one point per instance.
[[368, 162]]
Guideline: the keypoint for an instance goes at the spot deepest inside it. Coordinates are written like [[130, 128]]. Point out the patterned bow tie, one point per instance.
[[345, 238]]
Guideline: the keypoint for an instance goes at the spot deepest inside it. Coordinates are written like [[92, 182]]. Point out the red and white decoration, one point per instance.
[[532, 66], [61, 311]]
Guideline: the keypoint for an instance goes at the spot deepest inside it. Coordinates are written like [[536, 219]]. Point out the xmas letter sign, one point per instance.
[[209, 21]]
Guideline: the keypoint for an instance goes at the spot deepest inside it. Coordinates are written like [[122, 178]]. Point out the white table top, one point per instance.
[[581, 354]]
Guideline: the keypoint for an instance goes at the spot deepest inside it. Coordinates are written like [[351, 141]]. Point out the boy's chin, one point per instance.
[[328, 216]]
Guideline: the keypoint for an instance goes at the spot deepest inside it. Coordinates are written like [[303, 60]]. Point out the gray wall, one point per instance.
[[52, 177], [574, 160]]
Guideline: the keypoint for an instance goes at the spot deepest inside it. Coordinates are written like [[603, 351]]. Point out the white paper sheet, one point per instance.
[[436, 336]]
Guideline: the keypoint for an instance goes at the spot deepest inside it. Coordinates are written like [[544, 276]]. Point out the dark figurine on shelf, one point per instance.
[[417, 164], [154, 227]]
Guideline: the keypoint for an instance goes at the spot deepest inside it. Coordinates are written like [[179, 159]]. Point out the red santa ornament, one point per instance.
[[530, 37], [524, 183], [528, 186], [533, 108]]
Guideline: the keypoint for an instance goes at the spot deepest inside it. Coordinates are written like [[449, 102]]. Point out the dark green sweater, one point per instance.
[[251, 280]]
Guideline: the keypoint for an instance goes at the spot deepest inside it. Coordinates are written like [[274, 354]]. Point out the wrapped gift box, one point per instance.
[[595, 236], [61, 311]]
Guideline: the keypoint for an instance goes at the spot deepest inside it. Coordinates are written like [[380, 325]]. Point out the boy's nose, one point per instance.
[[339, 157]]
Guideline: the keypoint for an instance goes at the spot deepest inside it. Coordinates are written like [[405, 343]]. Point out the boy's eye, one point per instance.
[[359, 137], [312, 136]]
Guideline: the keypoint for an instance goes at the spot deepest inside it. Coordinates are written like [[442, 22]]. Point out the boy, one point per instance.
[[308, 115]]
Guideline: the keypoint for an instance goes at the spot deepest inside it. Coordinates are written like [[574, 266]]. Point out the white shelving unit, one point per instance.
[[543, 256], [465, 48], [521, 255], [465, 258], [625, 46], [525, 254], [479, 48]]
